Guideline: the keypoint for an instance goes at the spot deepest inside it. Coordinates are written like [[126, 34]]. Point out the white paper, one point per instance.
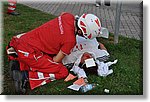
[[90, 62], [74, 87]]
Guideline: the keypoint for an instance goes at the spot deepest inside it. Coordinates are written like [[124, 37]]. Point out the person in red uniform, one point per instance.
[[41, 50], [12, 7]]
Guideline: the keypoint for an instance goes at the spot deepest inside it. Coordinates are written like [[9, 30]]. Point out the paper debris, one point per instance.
[[74, 87], [90, 62], [106, 90], [77, 84]]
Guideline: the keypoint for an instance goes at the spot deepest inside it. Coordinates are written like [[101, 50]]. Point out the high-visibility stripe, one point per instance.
[[39, 79], [43, 83], [52, 77], [36, 58], [23, 52], [52, 61], [12, 4], [11, 8], [40, 75], [64, 53], [19, 35], [34, 79]]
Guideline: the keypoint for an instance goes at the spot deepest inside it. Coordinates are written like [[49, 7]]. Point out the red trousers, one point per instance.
[[11, 6], [42, 69]]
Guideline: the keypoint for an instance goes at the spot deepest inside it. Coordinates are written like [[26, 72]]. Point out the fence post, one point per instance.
[[117, 21], [1, 49]]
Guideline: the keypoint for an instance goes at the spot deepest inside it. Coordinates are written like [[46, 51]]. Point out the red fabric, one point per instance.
[[23, 66], [34, 61], [36, 82], [11, 6], [42, 65], [12, 1], [53, 36], [34, 47]]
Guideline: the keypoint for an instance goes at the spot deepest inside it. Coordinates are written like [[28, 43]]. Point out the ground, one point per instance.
[[127, 78]]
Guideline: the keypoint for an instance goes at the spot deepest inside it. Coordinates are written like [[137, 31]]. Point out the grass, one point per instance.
[[127, 78]]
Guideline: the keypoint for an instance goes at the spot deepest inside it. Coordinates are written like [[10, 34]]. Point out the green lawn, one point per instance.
[[127, 78]]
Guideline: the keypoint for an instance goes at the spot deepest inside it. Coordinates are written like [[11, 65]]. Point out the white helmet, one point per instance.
[[90, 26]]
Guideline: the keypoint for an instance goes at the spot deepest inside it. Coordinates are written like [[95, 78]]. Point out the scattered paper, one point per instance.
[[74, 87], [77, 84], [106, 90]]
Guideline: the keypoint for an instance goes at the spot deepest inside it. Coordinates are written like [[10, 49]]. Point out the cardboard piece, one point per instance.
[[70, 77], [80, 82]]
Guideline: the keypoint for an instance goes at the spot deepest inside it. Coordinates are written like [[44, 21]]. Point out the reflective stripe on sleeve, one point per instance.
[[64, 53], [11, 8], [52, 77], [40, 75], [52, 61], [12, 4]]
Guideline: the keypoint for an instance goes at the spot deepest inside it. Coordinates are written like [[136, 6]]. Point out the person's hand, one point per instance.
[[85, 80], [58, 58], [102, 47]]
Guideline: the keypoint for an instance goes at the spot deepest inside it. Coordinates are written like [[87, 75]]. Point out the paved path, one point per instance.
[[131, 17]]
